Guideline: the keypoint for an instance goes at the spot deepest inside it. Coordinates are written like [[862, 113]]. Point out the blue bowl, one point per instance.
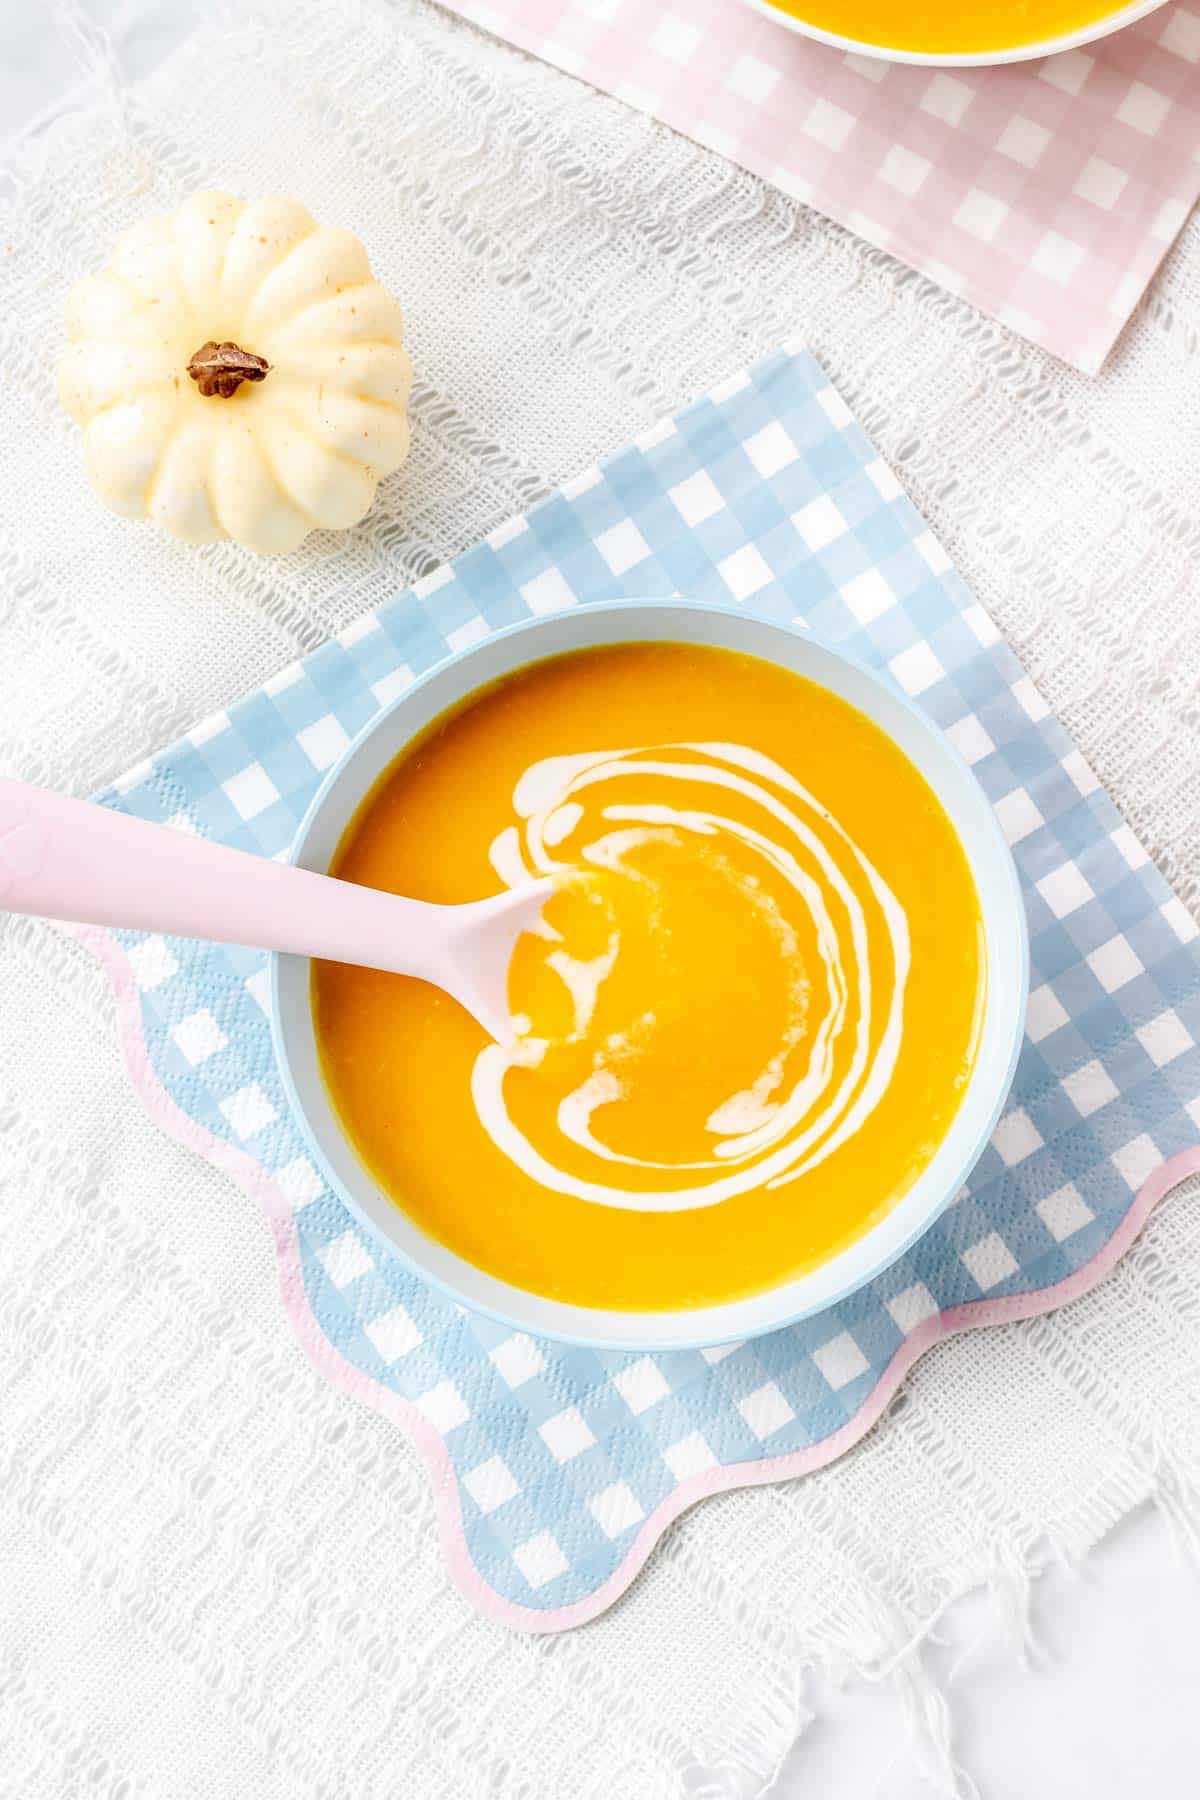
[[1004, 931]]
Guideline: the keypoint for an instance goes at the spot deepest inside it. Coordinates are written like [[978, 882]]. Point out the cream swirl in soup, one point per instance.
[[667, 820]]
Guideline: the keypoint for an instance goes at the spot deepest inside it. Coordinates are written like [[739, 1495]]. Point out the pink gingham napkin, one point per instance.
[[1046, 192]]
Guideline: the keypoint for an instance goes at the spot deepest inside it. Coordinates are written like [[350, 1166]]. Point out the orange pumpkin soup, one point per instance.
[[749, 1015], [942, 28]]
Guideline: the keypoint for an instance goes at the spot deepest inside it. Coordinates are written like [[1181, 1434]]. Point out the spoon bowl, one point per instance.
[[480, 939]]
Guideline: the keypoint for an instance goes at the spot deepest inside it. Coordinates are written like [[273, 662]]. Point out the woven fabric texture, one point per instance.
[[220, 1576], [1045, 192]]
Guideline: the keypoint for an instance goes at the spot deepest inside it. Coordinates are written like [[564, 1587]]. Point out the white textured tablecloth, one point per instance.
[[217, 1576]]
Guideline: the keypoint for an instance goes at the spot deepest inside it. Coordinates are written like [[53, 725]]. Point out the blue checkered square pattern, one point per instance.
[[766, 493]]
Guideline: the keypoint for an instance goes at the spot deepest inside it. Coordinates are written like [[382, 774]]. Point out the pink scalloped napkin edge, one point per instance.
[[1046, 193], [326, 1359]]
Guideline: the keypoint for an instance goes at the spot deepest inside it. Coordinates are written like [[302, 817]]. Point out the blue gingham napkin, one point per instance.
[[557, 1468]]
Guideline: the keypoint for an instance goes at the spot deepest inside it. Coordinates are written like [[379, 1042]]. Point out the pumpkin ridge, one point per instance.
[[283, 493], [352, 287], [132, 391], [174, 221], [286, 417], [131, 387], [219, 293], [139, 300], [312, 368], [218, 286], [165, 448], [281, 486], [313, 225], [268, 274], [337, 343], [282, 386]]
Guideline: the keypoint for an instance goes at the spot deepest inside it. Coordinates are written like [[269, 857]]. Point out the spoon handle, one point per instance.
[[71, 859]]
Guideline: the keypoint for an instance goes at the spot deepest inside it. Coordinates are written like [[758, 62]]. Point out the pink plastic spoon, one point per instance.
[[69, 859]]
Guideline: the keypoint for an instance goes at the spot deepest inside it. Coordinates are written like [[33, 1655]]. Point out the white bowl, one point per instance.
[[1004, 1015], [1069, 40]]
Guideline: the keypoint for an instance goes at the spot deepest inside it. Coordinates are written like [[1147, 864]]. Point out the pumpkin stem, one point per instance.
[[222, 368]]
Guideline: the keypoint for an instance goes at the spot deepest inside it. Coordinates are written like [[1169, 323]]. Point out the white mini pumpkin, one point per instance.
[[237, 373]]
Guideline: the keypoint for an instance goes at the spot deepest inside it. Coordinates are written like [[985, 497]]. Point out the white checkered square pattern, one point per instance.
[[904, 170], [1137, 1160], [981, 214], [471, 631], [1045, 1013], [540, 1559], [394, 1334], [1016, 1137], [932, 552], [675, 38], [912, 1307], [1144, 108], [820, 522], [1181, 33], [299, 1182], [1115, 963], [258, 986], [1064, 1212], [1068, 71], [1024, 140], [828, 124], [198, 1037], [490, 1484], [840, 1360], [1100, 182], [324, 742], [696, 499], [990, 1261], [690, 1456], [970, 738], [345, 1259], [917, 668], [567, 1434], [766, 1410], [616, 1509], [1164, 1038], [548, 592], [249, 1110], [251, 791], [517, 1360], [753, 79], [1018, 815], [152, 962], [1064, 890], [745, 571], [622, 546], [641, 1385], [1090, 1088], [389, 687], [869, 595], [444, 1406], [1180, 920], [946, 98], [1058, 258], [770, 450]]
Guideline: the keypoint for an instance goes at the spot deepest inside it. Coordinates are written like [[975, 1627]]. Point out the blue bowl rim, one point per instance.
[[580, 1340]]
